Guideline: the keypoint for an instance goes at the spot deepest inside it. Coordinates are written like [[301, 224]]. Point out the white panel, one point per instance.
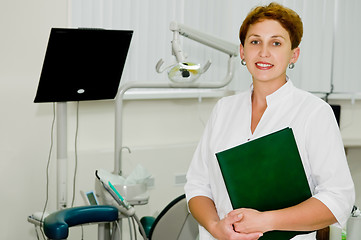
[[313, 69], [152, 37], [347, 47]]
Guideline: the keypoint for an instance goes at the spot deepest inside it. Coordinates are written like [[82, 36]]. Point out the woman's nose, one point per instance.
[[264, 51]]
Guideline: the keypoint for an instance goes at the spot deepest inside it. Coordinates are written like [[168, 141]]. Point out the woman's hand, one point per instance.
[[309, 215], [224, 229], [204, 211], [250, 221]]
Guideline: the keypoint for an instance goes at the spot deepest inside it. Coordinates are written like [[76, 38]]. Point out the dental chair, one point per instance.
[[56, 225], [174, 222]]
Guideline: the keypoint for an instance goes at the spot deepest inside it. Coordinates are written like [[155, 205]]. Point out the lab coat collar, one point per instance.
[[284, 90], [280, 93]]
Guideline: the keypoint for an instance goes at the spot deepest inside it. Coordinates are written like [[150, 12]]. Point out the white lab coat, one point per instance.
[[318, 139]]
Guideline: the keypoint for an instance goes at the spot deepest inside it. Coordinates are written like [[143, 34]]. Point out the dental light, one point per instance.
[[182, 75], [184, 71]]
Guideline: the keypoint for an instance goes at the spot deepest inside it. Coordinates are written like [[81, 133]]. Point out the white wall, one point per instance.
[[161, 133], [24, 125]]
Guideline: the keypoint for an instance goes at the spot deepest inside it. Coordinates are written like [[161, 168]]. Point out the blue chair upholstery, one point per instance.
[[56, 225]]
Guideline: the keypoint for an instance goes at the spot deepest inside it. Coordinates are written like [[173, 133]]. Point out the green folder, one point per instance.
[[265, 174]]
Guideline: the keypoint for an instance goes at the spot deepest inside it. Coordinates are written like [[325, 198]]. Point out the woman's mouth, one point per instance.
[[263, 65]]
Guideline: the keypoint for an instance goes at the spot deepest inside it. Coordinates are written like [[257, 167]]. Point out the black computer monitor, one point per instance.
[[83, 64]]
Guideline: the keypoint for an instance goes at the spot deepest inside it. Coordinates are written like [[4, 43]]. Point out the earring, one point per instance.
[[243, 62], [291, 65]]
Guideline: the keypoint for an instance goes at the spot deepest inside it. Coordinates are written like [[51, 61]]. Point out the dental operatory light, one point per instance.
[[183, 75], [184, 71]]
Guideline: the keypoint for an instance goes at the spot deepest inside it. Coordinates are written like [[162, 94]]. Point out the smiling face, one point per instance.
[[267, 52]]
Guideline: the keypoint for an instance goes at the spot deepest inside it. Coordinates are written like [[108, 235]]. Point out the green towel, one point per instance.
[[265, 174]]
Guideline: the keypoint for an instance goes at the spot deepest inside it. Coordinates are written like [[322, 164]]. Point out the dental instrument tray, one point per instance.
[[106, 184]]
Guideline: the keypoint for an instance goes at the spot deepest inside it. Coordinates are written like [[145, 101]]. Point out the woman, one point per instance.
[[270, 36]]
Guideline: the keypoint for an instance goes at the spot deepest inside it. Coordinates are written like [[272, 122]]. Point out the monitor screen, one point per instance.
[[83, 64]]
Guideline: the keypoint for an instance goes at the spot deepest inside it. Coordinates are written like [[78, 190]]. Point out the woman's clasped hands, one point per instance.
[[241, 224]]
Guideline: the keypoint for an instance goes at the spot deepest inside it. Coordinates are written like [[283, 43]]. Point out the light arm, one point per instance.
[[176, 49], [189, 71], [206, 39]]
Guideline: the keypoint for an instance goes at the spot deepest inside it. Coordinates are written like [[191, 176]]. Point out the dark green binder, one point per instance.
[[265, 174]]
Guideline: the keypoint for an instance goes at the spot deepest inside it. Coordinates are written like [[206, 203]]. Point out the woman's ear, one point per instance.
[[241, 51], [295, 55]]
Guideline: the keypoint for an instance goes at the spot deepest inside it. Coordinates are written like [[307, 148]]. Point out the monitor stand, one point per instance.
[[62, 154]]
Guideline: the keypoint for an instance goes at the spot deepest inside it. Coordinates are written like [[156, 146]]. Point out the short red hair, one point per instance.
[[288, 18]]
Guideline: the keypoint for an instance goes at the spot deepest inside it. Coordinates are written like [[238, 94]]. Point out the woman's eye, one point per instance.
[[277, 44], [254, 42]]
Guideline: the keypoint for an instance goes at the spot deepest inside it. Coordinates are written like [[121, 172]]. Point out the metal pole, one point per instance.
[[62, 155]]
